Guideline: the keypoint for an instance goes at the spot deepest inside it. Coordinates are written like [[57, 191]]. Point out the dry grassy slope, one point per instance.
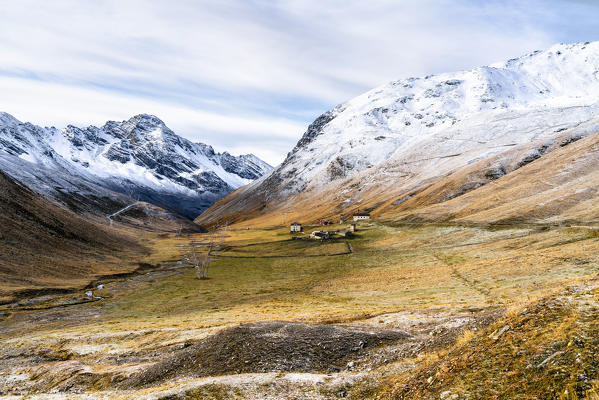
[[44, 246], [477, 174], [395, 192], [546, 350], [561, 186], [426, 280]]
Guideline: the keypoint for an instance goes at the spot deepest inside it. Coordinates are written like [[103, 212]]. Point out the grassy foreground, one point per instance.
[[393, 269], [395, 277]]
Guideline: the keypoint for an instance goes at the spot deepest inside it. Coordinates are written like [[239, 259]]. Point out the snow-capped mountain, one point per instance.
[[140, 157], [404, 134]]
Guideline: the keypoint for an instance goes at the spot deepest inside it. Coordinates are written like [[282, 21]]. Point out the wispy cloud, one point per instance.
[[248, 75]]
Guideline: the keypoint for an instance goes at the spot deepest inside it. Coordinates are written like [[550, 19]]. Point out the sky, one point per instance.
[[248, 76]]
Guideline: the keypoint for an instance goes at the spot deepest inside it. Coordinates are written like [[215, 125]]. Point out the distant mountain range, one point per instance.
[[140, 158], [392, 150]]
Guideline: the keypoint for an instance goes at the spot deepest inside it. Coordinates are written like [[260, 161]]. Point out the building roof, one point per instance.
[[295, 223], [362, 214]]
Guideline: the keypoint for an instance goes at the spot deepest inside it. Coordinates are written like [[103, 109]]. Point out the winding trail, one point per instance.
[[111, 216], [485, 292]]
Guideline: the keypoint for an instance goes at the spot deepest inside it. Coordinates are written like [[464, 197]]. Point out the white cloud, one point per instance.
[[40, 102], [263, 68]]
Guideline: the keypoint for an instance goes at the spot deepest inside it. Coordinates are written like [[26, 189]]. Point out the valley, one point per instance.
[[138, 264], [413, 295]]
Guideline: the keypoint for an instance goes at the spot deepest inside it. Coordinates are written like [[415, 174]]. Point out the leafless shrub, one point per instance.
[[201, 261]]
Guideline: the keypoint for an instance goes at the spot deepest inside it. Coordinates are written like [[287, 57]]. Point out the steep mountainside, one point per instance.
[[562, 186], [140, 157], [45, 246], [395, 141]]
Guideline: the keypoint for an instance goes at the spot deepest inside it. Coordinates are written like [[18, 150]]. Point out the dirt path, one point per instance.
[[122, 210], [456, 274], [462, 278]]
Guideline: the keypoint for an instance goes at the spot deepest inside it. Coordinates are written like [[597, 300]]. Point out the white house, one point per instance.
[[296, 227], [361, 216], [321, 235]]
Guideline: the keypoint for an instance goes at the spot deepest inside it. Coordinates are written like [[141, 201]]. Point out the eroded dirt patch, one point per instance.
[[268, 346]]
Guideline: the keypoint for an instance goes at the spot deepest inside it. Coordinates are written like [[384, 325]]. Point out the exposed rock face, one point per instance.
[[140, 157], [316, 128]]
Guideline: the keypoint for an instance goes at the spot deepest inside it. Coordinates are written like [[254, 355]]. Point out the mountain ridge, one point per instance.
[[410, 132], [140, 157]]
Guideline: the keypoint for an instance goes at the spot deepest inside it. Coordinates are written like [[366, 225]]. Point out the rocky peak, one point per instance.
[[140, 129], [7, 119], [139, 154], [316, 128]]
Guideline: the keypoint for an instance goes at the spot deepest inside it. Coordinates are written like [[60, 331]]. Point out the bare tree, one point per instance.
[[222, 229], [200, 261]]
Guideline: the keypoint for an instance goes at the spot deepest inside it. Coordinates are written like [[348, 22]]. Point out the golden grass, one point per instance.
[[548, 351], [286, 248], [393, 269]]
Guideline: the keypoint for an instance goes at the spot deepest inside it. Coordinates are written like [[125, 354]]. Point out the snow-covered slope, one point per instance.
[[140, 157], [411, 131]]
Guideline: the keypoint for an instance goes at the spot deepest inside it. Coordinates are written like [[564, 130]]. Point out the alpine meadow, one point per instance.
[[196, 211]]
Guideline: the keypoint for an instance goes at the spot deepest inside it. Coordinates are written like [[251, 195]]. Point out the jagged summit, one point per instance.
[[7, 119], [146, 119], [140, 156], [410, 131], [564, 75], [147, 126], [374, 126]]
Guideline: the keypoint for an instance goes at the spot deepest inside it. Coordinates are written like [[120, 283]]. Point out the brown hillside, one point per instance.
[[509, 186], [561, 186], [45, 247]]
